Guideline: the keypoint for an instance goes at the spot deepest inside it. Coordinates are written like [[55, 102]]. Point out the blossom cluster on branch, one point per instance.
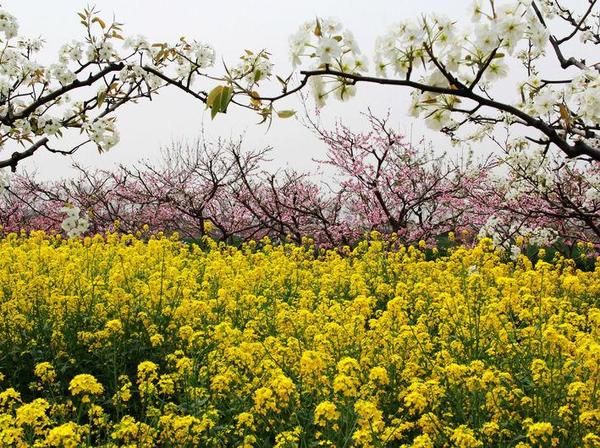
[[452, 71], [40, 105]]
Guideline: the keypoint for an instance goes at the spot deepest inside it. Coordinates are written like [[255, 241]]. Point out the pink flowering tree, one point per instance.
[[187, 191], [381, 182], [187, 188], [27, 204], [539, 201], [290, 206], [391, 185]]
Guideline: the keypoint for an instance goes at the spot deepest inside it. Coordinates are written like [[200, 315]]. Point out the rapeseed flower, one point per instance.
[[158, 342]]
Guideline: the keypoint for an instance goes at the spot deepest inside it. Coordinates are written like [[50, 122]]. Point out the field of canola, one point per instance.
[[111, 341]]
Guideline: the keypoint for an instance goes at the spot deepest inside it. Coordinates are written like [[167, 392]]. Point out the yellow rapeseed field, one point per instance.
[[114, 341]]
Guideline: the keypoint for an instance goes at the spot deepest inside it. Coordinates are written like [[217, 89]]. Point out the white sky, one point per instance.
[[230, 27]]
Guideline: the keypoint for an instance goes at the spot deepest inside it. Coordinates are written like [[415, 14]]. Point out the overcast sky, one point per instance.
[[230, 26]]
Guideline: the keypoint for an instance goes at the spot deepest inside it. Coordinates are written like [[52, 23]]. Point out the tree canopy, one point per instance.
[[452, 70]]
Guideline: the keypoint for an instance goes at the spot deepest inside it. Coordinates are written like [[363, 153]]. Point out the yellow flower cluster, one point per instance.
[[85, 385], [113, 341]]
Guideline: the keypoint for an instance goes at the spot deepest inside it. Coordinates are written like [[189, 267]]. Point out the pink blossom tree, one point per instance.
[[380, 182], [391, 185]]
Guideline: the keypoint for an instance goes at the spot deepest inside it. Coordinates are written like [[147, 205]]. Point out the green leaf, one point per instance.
[[218, 99], [286, 113], [565, 115], [267, 115], [226, 96], [101, 98], [212, 95], [255, 99], [99, 21], [317, 30]]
